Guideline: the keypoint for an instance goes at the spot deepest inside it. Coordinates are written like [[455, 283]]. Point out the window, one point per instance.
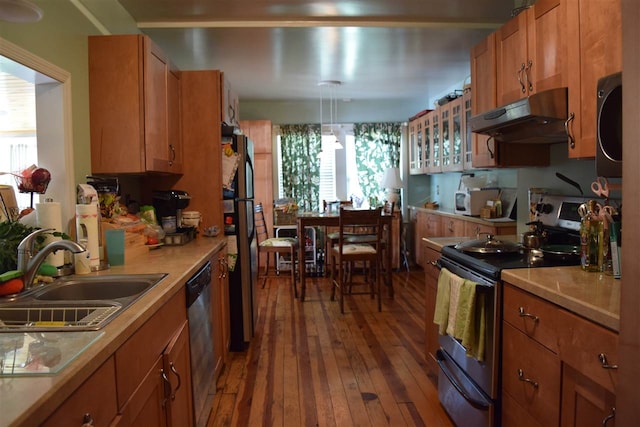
[[18, 138], [53, 145]]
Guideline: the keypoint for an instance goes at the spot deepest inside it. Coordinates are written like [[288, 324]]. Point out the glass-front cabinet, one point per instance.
[[467, 139], [452, 135], [434, 159]]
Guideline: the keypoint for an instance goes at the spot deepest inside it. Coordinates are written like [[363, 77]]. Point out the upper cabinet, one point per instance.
[[452, 122], [529, 52], [134, 101], [594, 50], [230, 106]]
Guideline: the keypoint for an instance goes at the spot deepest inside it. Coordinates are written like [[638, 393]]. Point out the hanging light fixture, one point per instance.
[[19, 11], [330, 137]]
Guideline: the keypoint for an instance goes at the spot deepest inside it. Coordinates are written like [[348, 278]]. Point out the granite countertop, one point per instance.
[[29, 400], [594, 296]]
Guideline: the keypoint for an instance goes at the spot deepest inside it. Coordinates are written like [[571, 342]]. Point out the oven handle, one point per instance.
[[440, 358]]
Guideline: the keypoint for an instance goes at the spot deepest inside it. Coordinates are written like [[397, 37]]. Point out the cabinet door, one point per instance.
[[594, 37], [467, 139], [415, 146], [156, 114], [96, 398], [258, 131], [177, 368], [483, 88], [512, 60], [457, 135], [217, 315], [174, 122], [431, 329], [433, 161], [425, 140], [531, 52], [584, 402], [147, 405]]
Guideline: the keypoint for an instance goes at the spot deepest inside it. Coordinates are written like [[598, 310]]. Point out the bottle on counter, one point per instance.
[[592, 239]]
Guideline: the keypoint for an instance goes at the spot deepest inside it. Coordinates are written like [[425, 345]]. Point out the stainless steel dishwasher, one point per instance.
[[201, 341]]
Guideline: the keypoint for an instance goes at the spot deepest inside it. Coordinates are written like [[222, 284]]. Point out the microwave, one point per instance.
[[471, 202]]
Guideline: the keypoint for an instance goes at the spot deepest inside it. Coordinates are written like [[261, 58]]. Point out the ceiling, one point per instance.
[[282, 49]]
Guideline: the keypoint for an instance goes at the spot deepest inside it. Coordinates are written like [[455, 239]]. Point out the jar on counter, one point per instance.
[[591, 238], [169, 224]]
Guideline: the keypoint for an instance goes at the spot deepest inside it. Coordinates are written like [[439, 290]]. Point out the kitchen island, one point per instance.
[[30, 400]]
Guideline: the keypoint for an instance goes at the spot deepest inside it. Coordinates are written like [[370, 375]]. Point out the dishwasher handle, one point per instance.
[[198, 282]]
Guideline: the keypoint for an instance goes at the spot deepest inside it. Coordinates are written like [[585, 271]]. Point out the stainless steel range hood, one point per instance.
[[538, 119]]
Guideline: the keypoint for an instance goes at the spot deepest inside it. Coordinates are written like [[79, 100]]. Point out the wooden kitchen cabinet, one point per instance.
[[451, 122], [202, 138], [94, 400], [431, 270], [467, 141], [427, 225], [153, 373], [570, 363], [474, 229], [530, 52], [220, 311], [453, 227], [419, 141], [594, 50], [134, 101], [486, 152], [432, 142], [259, 132]]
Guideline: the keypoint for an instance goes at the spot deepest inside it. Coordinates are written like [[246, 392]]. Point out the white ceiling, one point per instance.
[[281, 49]]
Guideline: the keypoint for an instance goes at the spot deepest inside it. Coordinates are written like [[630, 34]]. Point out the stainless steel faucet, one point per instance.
[[29, 264]]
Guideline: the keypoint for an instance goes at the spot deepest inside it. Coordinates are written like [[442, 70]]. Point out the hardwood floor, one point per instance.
[[309, 365]]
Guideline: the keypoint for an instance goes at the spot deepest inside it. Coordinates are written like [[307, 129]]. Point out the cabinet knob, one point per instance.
[[572, 141], [605, 363], [522, 313], [521, 377], [87, 421]]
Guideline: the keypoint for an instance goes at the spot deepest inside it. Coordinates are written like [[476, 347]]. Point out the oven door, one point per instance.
[[464, 401], [468, 388]]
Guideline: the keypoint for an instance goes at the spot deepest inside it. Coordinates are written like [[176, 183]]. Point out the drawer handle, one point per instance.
[[529, 315], [526, 380], [609, 417], [87, 420], [175, 372], [605, 363]]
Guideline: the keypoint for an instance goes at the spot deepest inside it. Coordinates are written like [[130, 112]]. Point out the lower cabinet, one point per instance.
[[220, 311], [557, 368], [93, 402], [434, 224], [432, 272]]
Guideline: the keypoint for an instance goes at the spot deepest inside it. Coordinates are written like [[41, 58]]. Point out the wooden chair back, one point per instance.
[[360, 222], [262, 232], [335, 205]]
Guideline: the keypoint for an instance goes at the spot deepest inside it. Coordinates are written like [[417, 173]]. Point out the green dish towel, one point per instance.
[[443, 295], [470, 320]]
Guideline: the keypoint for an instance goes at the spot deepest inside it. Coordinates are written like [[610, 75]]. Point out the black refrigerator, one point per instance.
[[239, 229]]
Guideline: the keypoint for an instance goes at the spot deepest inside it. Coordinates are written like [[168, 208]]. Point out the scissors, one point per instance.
[[601, 187]]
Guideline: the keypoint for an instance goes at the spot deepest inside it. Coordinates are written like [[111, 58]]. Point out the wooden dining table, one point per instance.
[[332, 219]]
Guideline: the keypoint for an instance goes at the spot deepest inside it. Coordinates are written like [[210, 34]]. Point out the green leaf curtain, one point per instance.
[[300, 146], [377, 148]]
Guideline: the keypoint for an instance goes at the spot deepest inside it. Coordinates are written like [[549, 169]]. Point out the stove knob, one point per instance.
[[545, 208]]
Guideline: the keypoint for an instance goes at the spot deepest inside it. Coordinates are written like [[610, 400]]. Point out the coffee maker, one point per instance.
[[170, 203]]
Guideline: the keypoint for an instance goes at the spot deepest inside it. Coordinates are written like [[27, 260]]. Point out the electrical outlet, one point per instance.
[[437, 190]]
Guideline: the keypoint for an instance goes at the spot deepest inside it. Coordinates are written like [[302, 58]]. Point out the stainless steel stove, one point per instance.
[[468, 388]]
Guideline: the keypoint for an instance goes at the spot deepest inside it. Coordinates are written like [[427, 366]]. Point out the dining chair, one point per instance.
[[330, 233], [345, 253], [278, 246]]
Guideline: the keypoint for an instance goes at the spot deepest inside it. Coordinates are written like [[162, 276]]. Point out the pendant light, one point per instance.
[[333, 109]]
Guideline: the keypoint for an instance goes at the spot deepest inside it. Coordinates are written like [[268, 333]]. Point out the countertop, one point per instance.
[[497, 222], [29, 400], [594, 296]]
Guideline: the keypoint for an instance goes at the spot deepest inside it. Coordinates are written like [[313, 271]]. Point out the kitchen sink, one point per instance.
[[110, 287], [75, 303]]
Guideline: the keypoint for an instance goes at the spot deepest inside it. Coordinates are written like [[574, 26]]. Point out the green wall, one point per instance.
[[61, 39]]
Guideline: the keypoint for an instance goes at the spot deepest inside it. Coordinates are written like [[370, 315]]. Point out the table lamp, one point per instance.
[[392, 182]]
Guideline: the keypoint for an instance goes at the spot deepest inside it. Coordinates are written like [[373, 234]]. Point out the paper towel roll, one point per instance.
[[49, 215], [87, 230]]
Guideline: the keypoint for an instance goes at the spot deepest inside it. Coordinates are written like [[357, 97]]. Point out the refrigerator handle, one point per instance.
[[252, 232]]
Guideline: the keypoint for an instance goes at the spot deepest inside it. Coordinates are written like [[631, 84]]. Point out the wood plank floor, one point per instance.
[[309, 365]]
